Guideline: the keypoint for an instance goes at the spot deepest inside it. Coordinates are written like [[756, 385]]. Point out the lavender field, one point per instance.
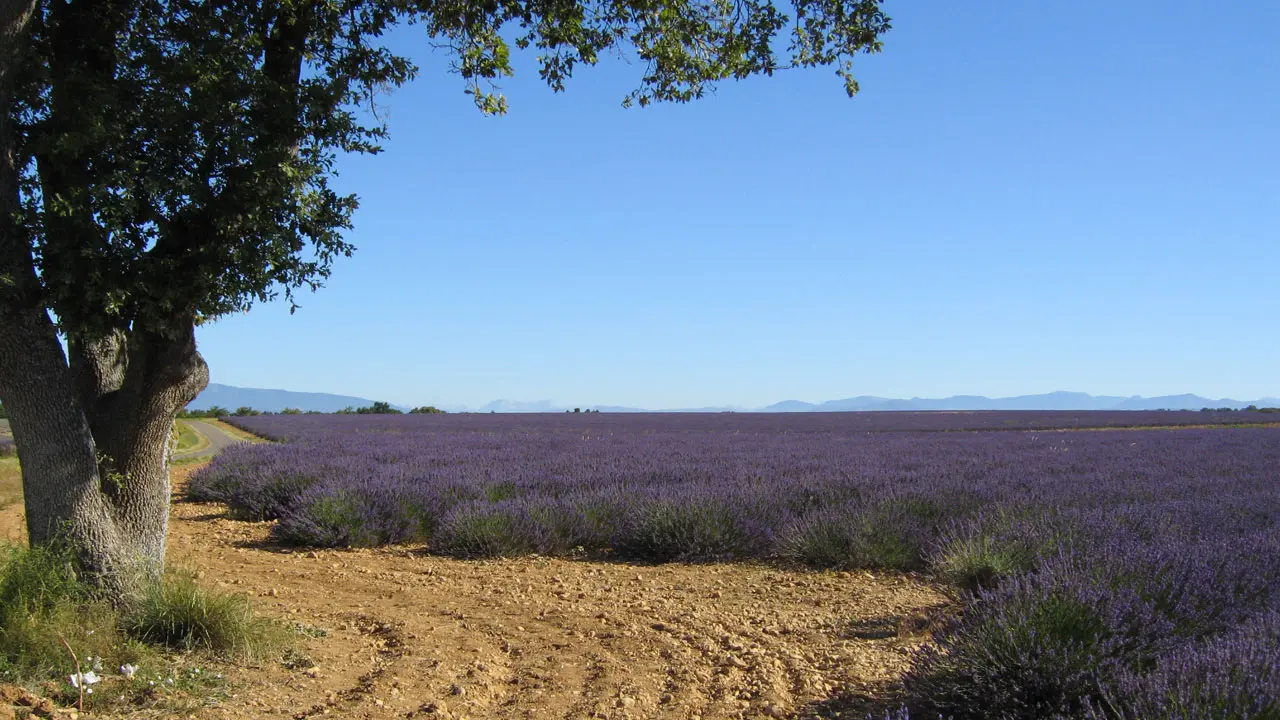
[[1109, 574]]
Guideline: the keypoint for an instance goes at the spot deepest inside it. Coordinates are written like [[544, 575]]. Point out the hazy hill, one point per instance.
[[231, 397], [1184, 402]]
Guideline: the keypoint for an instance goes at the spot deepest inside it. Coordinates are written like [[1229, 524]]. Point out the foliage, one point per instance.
[[377, 408], [211, 412], [177, 612], [197, 203], [427, 410]]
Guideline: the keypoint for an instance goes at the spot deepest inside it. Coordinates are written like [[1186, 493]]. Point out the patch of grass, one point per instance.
[[42, 604], [234, 431], [977, 553], [178, 613], [47, 613], [188, 439], [10, 482]]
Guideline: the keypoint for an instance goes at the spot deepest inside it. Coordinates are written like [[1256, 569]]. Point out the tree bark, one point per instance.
[[105, 491], [132, 385]]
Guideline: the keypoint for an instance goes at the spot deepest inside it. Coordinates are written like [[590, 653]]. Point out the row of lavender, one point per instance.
[[1116, 574]]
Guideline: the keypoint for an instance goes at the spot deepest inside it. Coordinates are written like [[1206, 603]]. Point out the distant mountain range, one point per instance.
[[1047, 401], [231, 397]]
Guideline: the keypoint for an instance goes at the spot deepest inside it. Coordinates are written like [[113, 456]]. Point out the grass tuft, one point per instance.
[[979, 552], [178, 613]]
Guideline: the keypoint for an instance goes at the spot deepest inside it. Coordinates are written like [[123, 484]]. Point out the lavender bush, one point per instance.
[[1234, 676]]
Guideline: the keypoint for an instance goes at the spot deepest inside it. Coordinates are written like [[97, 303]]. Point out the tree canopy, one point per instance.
[[175, 157]]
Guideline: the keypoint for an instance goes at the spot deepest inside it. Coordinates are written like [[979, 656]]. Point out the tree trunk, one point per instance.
[[132, 386], [95, 461], [92, 434]]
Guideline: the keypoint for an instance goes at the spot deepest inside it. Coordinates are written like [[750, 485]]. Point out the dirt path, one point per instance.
[[396, 633], [217, 437]]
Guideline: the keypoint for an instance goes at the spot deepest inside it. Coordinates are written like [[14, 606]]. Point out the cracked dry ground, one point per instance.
[[411, 635]]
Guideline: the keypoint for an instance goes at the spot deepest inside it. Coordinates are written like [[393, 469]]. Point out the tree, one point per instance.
[[378, 408], [165, 163], [426, 410]]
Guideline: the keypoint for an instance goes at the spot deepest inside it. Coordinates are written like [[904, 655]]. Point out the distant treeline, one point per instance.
[[383, 408], [378, 408]]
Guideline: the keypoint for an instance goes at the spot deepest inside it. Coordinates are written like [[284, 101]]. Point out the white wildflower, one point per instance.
[[128, 670], [84, 680]]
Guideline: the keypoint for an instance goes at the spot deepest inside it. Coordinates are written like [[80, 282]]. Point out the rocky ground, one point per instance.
[[398, 633]]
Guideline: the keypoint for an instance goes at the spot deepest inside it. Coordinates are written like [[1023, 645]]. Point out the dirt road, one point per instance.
[[217, 437]]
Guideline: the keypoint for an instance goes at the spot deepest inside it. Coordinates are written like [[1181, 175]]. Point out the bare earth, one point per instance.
[[404, 634]]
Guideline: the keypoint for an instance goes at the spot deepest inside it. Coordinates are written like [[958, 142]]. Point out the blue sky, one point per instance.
[[1024, 197]]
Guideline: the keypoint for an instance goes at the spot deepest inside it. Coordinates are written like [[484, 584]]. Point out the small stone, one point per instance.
[[457, 690], [774, 711], [626, 701]]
